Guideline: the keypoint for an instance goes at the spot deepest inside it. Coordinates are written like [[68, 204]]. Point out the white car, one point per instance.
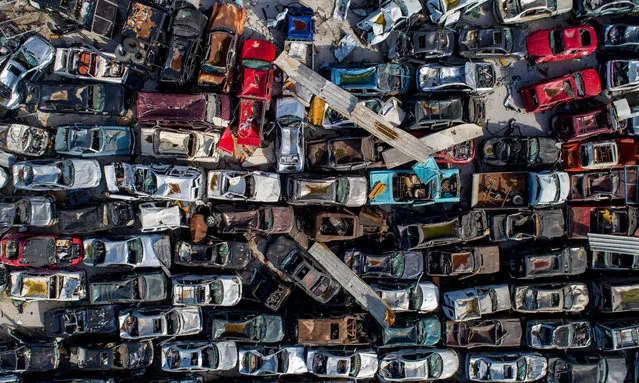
[[393, 13], [523, 11], [24, 140], [260, 363], [65, 174], [447, 12], [289, 114], [622, 75], [549, 188], [472, 303], [190, 356], [349, 191], [422, 298], [418, 365], [348, 365], [61, 286], [470, 77], [503, 367], [180, 144], [27, 63], [89, 64], [160, 322], [172, 182], [158, 216], [235, 185], [146, 250], [207, 290]]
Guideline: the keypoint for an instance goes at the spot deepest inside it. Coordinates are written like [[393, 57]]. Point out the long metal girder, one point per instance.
[[613, 243], [346, 104]]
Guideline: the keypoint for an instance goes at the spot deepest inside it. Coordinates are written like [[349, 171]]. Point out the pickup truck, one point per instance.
[[519, 189]]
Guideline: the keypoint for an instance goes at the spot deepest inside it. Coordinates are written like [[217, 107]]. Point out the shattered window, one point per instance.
[[556, 41], [135, 250]]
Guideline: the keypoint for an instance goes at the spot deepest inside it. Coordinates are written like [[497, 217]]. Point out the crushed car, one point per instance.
[[505, 366], [462, 261], [593, 155], [549, 94], [267, 220], [579, 126], [28, 211], [403, 265], [143, 287], [429, 45], [522, 11], [105, 99], [558, 334], [408, 332], [342, 364], [242, 185], [492, 42], [231, 255], [437, 114], [155, 322], [473, 303], [89, 64], [559, 44], [464, 228], [30, 357], [610, 220], [621, 76], [484, 333], [109, 356], [260, 328], [179, 144], [60, 286], [344, 154], [198, 356], [544, 262], [347, 191], [421, 297], [521, 151], [94, 218], [146, 250], [289, 141], [261, 361], [620, 37], [469, 77], [597, 8], [40, 251], [24, 140], [373, 80], [207, 290], [550, 298], [62, 174], [541, 224], [418, 364], [94, 141], [571, 369], [391, 14], [448, 13], [348, 330], [80, 321], [615, 295], [190, 111]]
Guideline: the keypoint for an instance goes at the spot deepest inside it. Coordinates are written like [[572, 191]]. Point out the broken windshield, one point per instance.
[[556, 41], [96, 95]]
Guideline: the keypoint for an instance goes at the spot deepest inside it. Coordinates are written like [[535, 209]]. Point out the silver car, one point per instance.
[[620, 37], [263, 328], [65, 174], [272, 361], [552, 298], [180, 144], [422, 297], [146, 250], [289, 115], [160, 322], [194, 356], [24, 140], [474, 302], [418, 365], [207, 290], [336, 364], [504, 367], [558, 334], [61, 286], [349, 191], [33, 211]]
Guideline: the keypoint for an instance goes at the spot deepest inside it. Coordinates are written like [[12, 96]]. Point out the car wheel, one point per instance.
[[214, 220], [137, 58], [131, 45], [121, 54]]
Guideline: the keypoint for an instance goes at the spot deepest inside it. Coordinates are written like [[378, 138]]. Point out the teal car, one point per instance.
[[413, 332], [94, 141], [378, 79], [425, 185]]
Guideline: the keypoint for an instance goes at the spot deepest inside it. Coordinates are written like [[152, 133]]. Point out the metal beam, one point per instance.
[[613, 243], [363, 294], [346, 104], [435, 142]]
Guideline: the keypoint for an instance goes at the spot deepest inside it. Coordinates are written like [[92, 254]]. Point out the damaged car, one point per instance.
[[484, 333], [418, 364], [422, 297], [139, 288], [188, 111], [577, 368], [492, 42], [242, 185], [264, 361], [342, 364], [615, 295], [179, 144], [549, 94], [346, 330], [289, 141], [408, 332], [84, 321], [464, 228], [207, 290], [261, 328], [429, 45], [611, 220], [185, 44], [344, 153], [335, 226], [40, 251], [597, 8], [349, 191], [505, 367], [459, 154], [550, 298], [269, 290], [229, 255], [391, 14], [89, 64], [145, 250], [579, 126], [448, 13], [598, 186], [559, 44], [522, 11], [291, 260], [172, 182], [160, 322], [473, 303], [332, 119], [542, 224], [541, 263], [608, 154], [620, 37], [469, 77], [94, 218], [437, 114], [29, 357], [521, 151], [94, 141], [621, 75], [462, 261], [198, 356], [27, 211], [62, 174], [267, 220], [161, 216], [59, 286], [374, 80], [24, 140], [558, 334], [109, 356], [404, 265], [106, 99]]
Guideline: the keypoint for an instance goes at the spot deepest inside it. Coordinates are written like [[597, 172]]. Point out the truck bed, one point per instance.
[[500, 190]]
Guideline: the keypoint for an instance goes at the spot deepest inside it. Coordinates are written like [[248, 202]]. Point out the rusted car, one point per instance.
[[344, 153], [462, 261], [437, 114], [247, 327], [541, 263], [408, 332], [541, 224], [404, 265], [609, 154], [614, 184], [329, 226], [269, 290], [459, 154], [267, 220], [467, 227], [349, 330], [577, 127], [225, 28], [191, 111], [89, 64], [97, 16], [144, 33], [484, 333], [349, 191], [615, 295], [24, 140], [40, 251], [613, 220]]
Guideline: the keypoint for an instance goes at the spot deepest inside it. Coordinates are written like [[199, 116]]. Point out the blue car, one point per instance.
[[300, 24], [378, 79], [94, 141], [425, 185]]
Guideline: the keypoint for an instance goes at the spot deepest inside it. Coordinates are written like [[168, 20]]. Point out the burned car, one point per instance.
[[418, 364], [28, 211], [344, 154], [612, 220], [470, 77], [374, 80], [467, 227], [180, 144], [94, 141], [30, 357], [63, 174], [492, 42], [40, 251], [289, 117], [229, 255], [267, 220], [291, 260], [172, 182], [484, 333], [225, 28], [207, 290], [84, 321], [160, 322], [621, 75], [89, 64], [185, 44], [60, 286], [198, 356], [342, 364], [550, 298], [475, 302], [520, 151], [410, 332], [405, 265], [393, 14], [462, 261], [422, 297], [107, 99], [145, 250], [541, 263], [143, 287], [558, 334], [349, 330], [543, 224], [266, 361], [109, 356], [437, 114], [619, 37], [615, 295], [102, 217], [578, 368], [576, 127], [505, 367], [350, 191], [262, 328], [241, 185], [24, 140]]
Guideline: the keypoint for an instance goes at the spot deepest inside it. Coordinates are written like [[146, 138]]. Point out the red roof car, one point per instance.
[[549, 94], [550, 45], [40, 251], [576, 127]]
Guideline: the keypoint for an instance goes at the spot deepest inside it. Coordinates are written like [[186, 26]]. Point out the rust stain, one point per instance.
[[213, 183], [176, 60], [140, 21], [174, 188], [34, 287], [235, 327], [389, 133], [60, 95]]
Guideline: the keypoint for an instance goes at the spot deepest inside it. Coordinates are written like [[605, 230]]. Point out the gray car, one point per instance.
[[558, 334], [109, 356], [541, 263], [505, 367], [587, 368], [160, 322], [289, 117], [433, 44], [492, 42], [262, 328], [404, 265], [550, 297], [619, 37], [28, 211], [149, 287]]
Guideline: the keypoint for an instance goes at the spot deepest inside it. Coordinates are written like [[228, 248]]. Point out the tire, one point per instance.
[[131, 45], [138, 58], [121, 54], [213, 220]]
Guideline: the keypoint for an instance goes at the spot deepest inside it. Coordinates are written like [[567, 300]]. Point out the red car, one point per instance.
[[549, 94], [40, 251], [462, 153], [550, 45], [576, 127], [256, 59]]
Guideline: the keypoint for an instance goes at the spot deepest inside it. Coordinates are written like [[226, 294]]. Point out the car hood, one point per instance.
[[190, 320], [283, 219], [554, 187], [86, 173], [42, 211], [357, 191], [538, 43], [267, 187]]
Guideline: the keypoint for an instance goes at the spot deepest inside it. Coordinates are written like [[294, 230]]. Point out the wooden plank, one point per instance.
[[363, 294], [346, 104], [435, 142]]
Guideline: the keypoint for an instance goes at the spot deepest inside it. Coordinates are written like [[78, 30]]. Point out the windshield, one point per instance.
[[65, 173], [96, 97], [135, 251], [397, 265], [435, 365], [579, 83], [256, 64], [145, 181], [556, 41], [256, 328], [217, 292], [343, 190], [533, 150]]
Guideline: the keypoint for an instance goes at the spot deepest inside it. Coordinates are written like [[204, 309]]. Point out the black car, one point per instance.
[[225, 255], [521, 151], [185, 45], [492, 42], [81, 321], [440, 114], [267, 289], [104, 99], [527, 225], [30, 357], [89, 219]]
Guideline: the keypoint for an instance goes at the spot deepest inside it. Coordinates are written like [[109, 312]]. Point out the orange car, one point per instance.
[[608, 154], [226, 26]]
